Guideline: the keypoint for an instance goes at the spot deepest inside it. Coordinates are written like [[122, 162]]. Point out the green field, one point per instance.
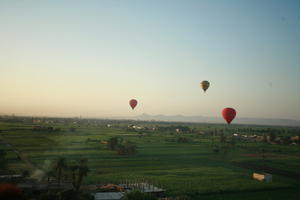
[[189, 168]]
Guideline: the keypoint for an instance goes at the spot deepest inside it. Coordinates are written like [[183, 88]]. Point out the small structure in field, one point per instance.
[[144, 187], [116, 192], [263, 177], [295, 138], [108, 195]]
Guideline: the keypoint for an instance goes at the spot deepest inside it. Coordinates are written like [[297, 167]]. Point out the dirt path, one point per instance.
[[19, 154]]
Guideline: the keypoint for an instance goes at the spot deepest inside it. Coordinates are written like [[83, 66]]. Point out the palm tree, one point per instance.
[[73, 169], [3, 161], [82, 171], [59, 167], [49, 173]]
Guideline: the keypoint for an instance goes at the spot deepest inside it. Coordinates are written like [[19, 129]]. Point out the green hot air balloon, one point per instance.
[[204, 85]]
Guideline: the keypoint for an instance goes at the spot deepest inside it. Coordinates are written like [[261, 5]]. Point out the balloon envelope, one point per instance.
[[204, 85], [228, 114], [133, 103], [10, 191]]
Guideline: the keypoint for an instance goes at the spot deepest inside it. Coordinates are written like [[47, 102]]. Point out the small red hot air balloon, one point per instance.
[[228, 114], [133, 103]]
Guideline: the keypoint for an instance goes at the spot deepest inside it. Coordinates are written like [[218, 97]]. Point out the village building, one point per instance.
[[262, 177]]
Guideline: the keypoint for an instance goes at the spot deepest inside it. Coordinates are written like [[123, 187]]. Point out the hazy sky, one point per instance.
[[89, 58]]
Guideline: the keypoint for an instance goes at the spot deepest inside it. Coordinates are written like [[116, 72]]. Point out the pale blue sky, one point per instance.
[[71, 58]]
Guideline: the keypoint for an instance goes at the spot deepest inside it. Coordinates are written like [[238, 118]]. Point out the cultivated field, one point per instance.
[[192, 162]]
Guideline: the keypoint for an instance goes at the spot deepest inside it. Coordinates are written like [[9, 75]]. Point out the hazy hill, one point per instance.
[[203, 119]]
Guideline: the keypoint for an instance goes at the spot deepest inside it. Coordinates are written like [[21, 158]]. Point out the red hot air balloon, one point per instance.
[[228, 114], [133, 103], [10, 191]]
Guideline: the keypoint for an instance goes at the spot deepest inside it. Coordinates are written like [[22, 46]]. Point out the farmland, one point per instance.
[[182, 162]]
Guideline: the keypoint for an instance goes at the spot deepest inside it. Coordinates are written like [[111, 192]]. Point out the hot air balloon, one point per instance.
[[10, 191], [204, 85], [228, 114], [133, 103]]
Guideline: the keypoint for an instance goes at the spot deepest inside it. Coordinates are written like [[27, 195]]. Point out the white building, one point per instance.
[[108, 195]]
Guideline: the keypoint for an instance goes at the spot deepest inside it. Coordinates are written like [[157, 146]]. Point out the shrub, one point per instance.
[[216, 149], [126, 149], [72, 129], [182, 140], [113, 143]]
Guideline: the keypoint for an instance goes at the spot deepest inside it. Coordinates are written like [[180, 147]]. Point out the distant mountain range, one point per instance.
[[203, 119]]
